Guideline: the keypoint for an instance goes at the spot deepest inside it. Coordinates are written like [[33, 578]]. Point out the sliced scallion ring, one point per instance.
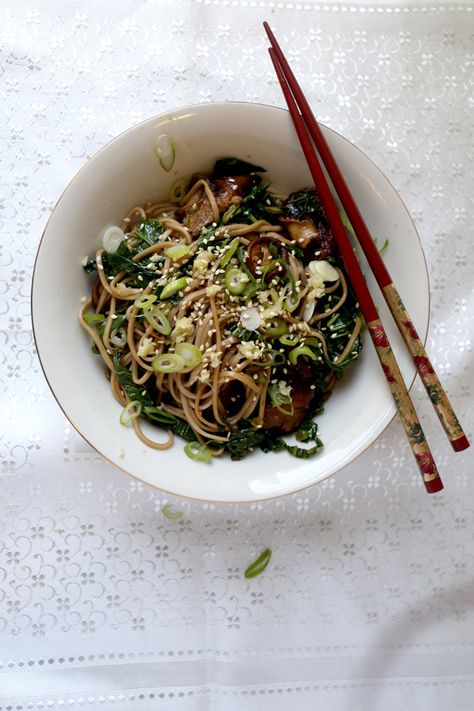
[[173, 515], [178, 251], [301, 351], [173, 286], [235, 280], [278, 399], [156, 318], [229, 213], [119, 338], [168, 363], [190, 354], [165, 151], [275, 328], [178, 190], [112, 238], [291, 302], [198, 451], [126, 416], [143, 302], [289, 339]]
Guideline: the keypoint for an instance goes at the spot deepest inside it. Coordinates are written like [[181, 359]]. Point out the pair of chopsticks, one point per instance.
[[310, 135]]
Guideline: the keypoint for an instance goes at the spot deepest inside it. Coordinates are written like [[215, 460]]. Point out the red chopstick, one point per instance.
[[408, 416], [422, 362]]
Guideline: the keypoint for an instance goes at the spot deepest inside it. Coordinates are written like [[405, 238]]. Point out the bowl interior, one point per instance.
[[126, 173]]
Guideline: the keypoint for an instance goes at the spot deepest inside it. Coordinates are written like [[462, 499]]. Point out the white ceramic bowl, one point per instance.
[[125, 173]]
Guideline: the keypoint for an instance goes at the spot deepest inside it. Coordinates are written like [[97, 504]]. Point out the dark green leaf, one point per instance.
[[234, 166], [148, 231], [240, 442], [259, 204], [305, 204], [121, 261], [131, 389], [273, 443], [307, 431], [154, 413], [182, 429], [90, 267], [301, 453]]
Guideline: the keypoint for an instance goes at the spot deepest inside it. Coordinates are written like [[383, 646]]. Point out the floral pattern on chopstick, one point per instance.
[[405, 408], [427, 464], [427, 373]]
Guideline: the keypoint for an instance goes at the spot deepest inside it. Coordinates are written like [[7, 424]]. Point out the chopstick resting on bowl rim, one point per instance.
[[406, 410], [430, 380]]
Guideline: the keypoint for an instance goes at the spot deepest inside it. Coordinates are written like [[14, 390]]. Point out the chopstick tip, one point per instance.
[[460, 444], [267, 29], [434, 486]]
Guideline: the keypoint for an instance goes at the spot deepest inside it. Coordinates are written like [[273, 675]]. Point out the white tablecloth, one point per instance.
[[368, 602]]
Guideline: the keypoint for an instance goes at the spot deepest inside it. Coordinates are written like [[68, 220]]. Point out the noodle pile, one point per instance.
[[214, 325]]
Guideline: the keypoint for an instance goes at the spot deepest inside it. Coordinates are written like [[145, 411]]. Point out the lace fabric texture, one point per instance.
[[368, 600]]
